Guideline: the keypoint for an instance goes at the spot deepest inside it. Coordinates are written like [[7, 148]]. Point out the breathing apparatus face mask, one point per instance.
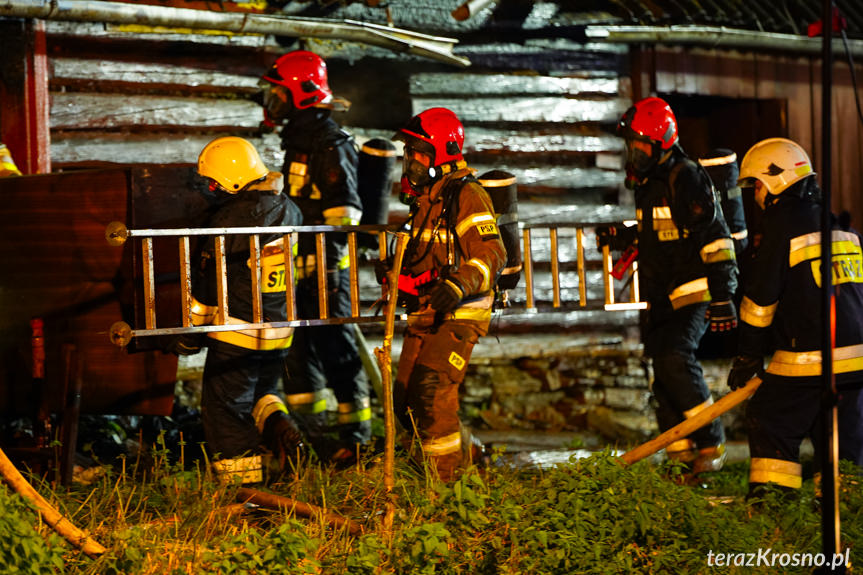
[[277, 102], [641, 157], [416, 173]]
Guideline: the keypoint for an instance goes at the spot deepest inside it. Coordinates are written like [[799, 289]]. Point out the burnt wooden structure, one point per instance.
[[114, 112]]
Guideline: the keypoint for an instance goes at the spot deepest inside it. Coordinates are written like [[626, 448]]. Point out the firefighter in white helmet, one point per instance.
[[779, 315], [240, 403]]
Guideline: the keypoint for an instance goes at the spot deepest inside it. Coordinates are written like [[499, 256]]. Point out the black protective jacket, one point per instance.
[[261, 204], [780, 312], [685, 251], [321, 170]]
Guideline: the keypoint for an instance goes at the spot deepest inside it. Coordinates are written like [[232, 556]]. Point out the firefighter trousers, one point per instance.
[[784, 411], [327, 356], [234, 379], [670, 340], [432, 365]]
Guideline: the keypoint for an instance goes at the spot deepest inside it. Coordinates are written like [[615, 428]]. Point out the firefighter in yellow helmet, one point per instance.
[[7, 164], [779, 316], [240, 403], [451, 264]]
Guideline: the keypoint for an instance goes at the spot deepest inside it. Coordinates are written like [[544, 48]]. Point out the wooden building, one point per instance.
[[538, 85]]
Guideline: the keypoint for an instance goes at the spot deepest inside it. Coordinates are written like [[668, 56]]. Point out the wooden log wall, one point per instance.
[[793, 84], [542, 109]]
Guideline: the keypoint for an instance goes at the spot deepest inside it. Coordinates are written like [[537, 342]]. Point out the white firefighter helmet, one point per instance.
[[776, 163], [231, 162]]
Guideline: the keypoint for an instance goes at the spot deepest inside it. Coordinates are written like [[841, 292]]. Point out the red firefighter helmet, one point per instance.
[[437, 132], [648, 128], [304, 74], [650, 119]]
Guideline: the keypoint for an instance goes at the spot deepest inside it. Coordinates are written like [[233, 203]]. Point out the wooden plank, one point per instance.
[[510, 84], [542, 109], [80, 111], [138, 77]]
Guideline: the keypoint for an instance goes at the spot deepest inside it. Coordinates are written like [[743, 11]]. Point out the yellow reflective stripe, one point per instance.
[[202, 314], [808, 363], [371, 151], [779, 471], [442, 445], [264, 339], [472, 314], [680, 445], [355, 412], [342, 216], [808, 246], [242, 469], [472, 221], [721, 161], [661, 213], [756, 315], [742, 234], [689, 413], [311, 402], [720, 250], [691, 292], [265, 407], [430, 235], [499, 183], [483, 269]]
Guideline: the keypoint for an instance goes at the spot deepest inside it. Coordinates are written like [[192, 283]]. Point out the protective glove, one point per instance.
[[382, 268], [615, 237], [744, 368], [722, 315], [186, 344], [445, 296]]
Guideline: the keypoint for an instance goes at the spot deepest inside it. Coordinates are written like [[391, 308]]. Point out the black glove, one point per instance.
[[382, 268], [445, 296], [744, 368], [722, 316], [615, 237], [186, 344]]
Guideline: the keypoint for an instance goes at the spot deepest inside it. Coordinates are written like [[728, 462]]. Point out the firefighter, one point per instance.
[[687, 272], [721, 165], [450, 267], [779, 316], [7, 164], [240, 403], [321, 166]]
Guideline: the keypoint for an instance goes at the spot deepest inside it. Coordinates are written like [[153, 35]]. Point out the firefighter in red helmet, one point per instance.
[[687, 272], [446, 283], [778, 316], [321, 168]]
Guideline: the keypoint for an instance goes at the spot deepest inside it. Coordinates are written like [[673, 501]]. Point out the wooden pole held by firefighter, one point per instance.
[[702, 418], [384, 356]]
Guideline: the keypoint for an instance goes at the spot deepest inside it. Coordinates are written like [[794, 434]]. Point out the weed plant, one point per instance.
[[592, 515]]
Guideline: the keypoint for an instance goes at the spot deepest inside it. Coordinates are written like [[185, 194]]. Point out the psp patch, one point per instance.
[[488, 229], [456, 361]]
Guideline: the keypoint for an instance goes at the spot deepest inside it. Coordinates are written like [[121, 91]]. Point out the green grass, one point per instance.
[[590, 516]]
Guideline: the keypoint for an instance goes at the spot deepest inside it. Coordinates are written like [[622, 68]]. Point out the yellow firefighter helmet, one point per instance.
[[231, 162]]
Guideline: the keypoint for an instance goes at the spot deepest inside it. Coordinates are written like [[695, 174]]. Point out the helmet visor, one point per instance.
[[640, 156], [277, 102]]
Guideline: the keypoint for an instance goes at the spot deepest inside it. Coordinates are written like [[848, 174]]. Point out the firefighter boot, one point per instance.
[[283, 439], [682, 450], [710, 459]]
